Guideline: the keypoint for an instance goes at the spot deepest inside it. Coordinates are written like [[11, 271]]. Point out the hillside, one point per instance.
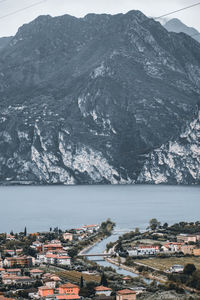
[[88, 100]]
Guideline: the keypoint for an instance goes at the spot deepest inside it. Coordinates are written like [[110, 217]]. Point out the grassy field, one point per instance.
[[164, 264], [75, 276]]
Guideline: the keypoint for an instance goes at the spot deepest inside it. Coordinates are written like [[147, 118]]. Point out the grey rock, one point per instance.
[[175, 25], [87, 100]]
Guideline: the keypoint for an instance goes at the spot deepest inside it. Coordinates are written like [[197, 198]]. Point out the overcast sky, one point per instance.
[[79, 8]]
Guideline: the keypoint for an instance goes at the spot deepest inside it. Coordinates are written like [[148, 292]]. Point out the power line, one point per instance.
[[175, 11], [22, 9]]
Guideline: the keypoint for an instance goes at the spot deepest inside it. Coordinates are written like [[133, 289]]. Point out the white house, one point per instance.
[[63, 260], [143, 250], [177, 269], [103, 290]]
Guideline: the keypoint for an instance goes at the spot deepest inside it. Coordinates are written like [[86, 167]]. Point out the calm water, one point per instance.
[[39, 208]]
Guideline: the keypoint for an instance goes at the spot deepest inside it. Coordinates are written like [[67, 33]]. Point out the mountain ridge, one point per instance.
[[175, 25], [84, 105]]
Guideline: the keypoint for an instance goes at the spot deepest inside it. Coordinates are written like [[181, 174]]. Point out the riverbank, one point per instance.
[[133, 270], [88, 248]]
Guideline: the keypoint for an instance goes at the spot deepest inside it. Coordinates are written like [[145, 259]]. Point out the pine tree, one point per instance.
[[104, 281], [25, 231], [81, 282]]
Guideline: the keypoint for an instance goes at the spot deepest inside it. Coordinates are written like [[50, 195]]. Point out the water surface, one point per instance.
[[42, 207]]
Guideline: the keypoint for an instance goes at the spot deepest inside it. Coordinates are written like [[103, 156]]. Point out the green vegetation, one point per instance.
[[75, 276], [154, 224], [185, 227], [164, 264]]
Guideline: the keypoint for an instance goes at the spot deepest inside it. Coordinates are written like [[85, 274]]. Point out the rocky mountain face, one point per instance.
[[178, 161], [175, 25], [95, 100], [4, 42]]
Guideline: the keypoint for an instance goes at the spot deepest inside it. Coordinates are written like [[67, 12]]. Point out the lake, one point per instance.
[[41, 207]]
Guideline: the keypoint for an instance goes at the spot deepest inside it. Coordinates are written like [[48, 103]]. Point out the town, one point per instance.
[[54, 264]]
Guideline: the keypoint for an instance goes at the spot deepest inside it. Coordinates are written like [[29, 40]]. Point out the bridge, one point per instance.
[[92, 255]]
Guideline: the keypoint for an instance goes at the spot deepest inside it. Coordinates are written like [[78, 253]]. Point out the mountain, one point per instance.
[[92, 100], [175, 25], [4, 42]]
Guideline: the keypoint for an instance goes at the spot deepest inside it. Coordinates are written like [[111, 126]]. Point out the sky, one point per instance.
[[9, 24]]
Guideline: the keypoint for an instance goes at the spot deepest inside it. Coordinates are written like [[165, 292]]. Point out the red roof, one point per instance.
[[36, 271], [52, 245], [68, 285], [44, 288], [126, 292], [69, 297], [102, 288]]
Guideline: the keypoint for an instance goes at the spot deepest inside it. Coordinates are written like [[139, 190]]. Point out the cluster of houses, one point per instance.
[[51, 253], [70, 291], [188, 244]]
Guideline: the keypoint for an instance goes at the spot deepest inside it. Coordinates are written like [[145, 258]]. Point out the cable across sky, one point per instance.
[[176, 11], [22, 9]]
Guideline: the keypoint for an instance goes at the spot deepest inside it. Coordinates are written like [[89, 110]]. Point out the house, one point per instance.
[[186, 238], [91, 228], [143, 250], [126, 294], [139, 290], [23, 261], [45, 291], [63, 260], [69, 289], [16, 272], [50, 259], [37, 246], [67, 236], [52, 246], [2, 271], [176, 269], [9, 252], [36, 273], [50, 283], [50, 277], [172, 247], [19, 280], [19, 251], [67, 297], [196, 252], [126, 279], [41, 258], [187, 249], [103, 290], [10, 237]]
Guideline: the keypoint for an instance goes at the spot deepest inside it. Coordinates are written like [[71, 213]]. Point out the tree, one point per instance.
[[81, 282], [165, 225], [73, 252], [189, 269], [104, 281], [137, 230], [25, 231], [154, 224]]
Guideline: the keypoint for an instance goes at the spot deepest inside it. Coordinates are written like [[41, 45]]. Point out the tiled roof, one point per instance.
[[126, 292], [36, 271], [68, 285], [69, 297], [44, 288], [102, 288]]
